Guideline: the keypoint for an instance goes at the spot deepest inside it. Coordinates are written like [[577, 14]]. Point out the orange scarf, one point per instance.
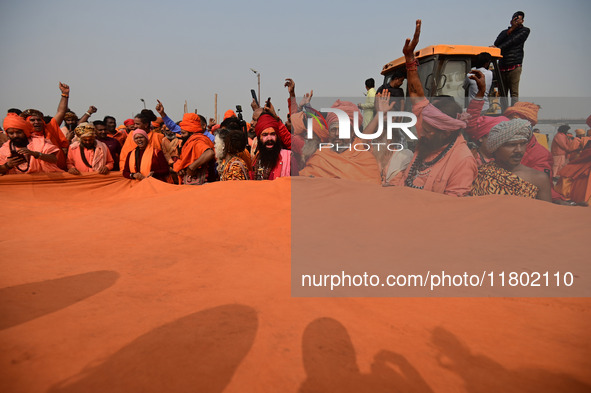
[[145, 165]]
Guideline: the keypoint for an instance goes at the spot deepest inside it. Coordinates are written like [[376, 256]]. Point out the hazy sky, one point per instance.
[[112, 53]]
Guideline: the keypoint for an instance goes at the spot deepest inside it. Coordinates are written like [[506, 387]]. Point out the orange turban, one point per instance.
[[579, 132], [524, 110], [129, 122], [229, 113], [12, 120], [299, 123], [191, 123], [158, 122]]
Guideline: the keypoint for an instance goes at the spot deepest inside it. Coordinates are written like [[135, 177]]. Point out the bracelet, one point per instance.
[[89, 114], [65, 95], [412, 66]]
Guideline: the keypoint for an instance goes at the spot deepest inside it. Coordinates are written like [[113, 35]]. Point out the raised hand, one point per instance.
[[160, 108], [382, 102], [92, 109], [307, 98], [290, 84], [409, 46], [65, 89], [480, 81]]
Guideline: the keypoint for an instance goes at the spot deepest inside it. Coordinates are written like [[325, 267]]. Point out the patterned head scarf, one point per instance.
[[85, 129], [70, 116], [508, 131]]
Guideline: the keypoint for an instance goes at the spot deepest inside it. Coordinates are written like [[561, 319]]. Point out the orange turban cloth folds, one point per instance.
[[12, 120], [525, 110], [191, 123]]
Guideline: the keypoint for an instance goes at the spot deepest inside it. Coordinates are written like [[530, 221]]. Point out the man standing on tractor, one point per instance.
[[511, 42]]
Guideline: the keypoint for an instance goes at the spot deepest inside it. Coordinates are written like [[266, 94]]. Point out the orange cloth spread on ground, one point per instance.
[[154, 140], [195, 146], [348, 165], [148, 304]]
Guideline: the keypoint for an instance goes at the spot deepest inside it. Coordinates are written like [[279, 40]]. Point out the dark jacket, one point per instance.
[[512, 46]]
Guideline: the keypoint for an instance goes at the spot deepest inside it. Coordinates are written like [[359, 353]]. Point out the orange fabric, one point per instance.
[[146, 164], [349, 165], [245, 156], [191, 123], [525, 110], [579, 171], [229, 113], [12, 120], [36, 143], [154, 139], [134, 309], [195, 146], [452, 175], [98, 158], [120, 135]]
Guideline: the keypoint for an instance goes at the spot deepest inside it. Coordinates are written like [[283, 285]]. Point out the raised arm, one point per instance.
[[62, 108], [172, 126], [91, 109], [415, 88]]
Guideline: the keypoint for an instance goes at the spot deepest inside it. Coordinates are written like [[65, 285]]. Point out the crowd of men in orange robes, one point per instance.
[[457, 153]]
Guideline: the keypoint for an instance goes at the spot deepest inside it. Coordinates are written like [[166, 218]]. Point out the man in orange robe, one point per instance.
[[579, 174], [88, 154], [51, 130], [197, 153], [442, 162], [561, 146], [25, 152], [338, 158]]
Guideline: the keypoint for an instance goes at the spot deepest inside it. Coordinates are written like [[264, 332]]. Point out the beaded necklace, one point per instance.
[[420, 165]]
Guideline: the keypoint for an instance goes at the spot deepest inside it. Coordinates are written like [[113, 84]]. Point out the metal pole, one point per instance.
[[216, 108]]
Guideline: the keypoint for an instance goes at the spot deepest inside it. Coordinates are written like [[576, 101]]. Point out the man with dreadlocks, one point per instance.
[[25, 152], [442, 161]]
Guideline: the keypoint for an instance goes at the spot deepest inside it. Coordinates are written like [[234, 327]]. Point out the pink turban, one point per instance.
[[349, 108], [140, 132], [300, 124], [483, 126]]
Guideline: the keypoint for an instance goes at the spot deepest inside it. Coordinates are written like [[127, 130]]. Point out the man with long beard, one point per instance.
[[442, 161], [88, 154], [25, 152], [270, 161]]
